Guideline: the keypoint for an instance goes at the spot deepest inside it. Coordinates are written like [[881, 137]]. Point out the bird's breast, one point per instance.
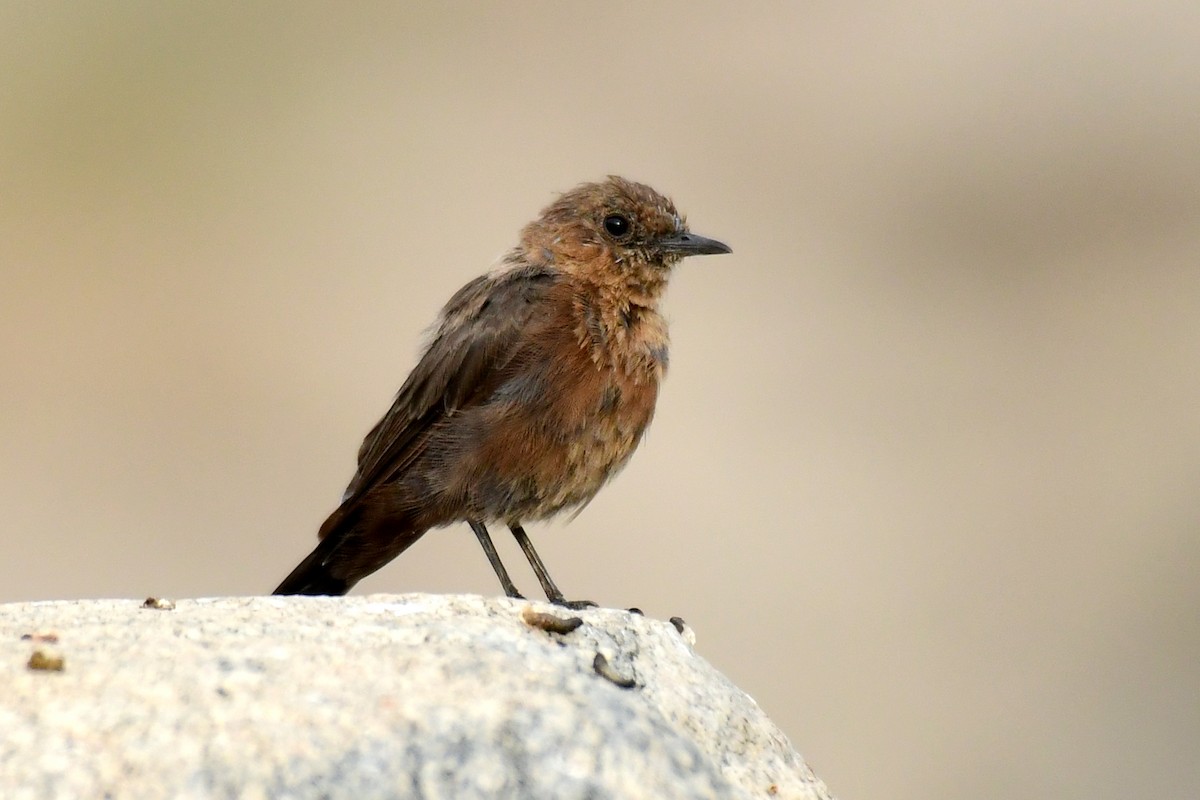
[[603, 407]]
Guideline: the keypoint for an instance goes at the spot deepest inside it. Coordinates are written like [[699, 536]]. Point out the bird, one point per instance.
[[536, 385]]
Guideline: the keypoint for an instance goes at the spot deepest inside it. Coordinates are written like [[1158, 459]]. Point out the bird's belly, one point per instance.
[[600, 451], [581, 462], [556, 455]]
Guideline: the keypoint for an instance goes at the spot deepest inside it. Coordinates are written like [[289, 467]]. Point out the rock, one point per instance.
[[378, 696]]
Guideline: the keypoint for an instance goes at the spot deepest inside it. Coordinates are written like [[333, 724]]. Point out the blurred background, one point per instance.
[[924, 474]]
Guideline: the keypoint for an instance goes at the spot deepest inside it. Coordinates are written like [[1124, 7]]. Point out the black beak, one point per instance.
[[689, 244]]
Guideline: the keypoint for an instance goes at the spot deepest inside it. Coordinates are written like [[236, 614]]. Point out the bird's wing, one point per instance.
[[477, 335]]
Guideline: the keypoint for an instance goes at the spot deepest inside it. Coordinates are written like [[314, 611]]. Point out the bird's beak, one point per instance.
[[689, 244]]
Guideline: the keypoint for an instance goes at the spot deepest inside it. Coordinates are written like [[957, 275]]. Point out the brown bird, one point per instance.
[[538, 382]]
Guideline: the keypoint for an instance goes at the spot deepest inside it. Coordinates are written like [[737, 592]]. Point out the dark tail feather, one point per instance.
[[314, 575], [353, 545]]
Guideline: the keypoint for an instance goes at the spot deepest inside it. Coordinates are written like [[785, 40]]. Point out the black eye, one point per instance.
[[616, 225]]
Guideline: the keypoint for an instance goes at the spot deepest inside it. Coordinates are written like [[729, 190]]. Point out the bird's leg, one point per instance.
[[539, 569], [489, 549]]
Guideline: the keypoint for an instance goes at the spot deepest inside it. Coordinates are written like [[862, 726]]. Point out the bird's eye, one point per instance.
[[616, 225]]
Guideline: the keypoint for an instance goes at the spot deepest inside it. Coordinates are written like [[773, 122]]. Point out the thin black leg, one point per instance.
[[543, 576], [489, 549]]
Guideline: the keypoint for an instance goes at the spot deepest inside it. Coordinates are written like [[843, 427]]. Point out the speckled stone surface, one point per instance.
[[380, 696]]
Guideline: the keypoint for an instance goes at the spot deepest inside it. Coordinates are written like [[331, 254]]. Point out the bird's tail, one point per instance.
[[314, 575], [354, 543]]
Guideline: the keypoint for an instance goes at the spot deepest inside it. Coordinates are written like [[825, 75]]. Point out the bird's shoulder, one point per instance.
[[475, 334], [497, 299]]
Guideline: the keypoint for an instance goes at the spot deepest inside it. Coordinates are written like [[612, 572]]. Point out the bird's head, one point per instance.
[[618, 226]]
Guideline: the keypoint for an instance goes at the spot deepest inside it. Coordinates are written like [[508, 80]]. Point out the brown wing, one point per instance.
[[477, 334]]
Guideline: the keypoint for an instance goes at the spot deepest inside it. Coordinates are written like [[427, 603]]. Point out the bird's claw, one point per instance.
[[574, 605]]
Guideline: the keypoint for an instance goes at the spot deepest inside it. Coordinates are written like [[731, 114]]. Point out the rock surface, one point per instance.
[[380, 696]]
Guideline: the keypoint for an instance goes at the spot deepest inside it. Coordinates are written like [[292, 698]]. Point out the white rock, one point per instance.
[[380, 696]]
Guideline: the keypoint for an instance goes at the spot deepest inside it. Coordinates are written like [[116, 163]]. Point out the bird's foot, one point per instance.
[[574, 605]]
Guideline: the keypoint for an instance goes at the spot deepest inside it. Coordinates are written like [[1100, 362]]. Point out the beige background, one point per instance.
[[924, 475]]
